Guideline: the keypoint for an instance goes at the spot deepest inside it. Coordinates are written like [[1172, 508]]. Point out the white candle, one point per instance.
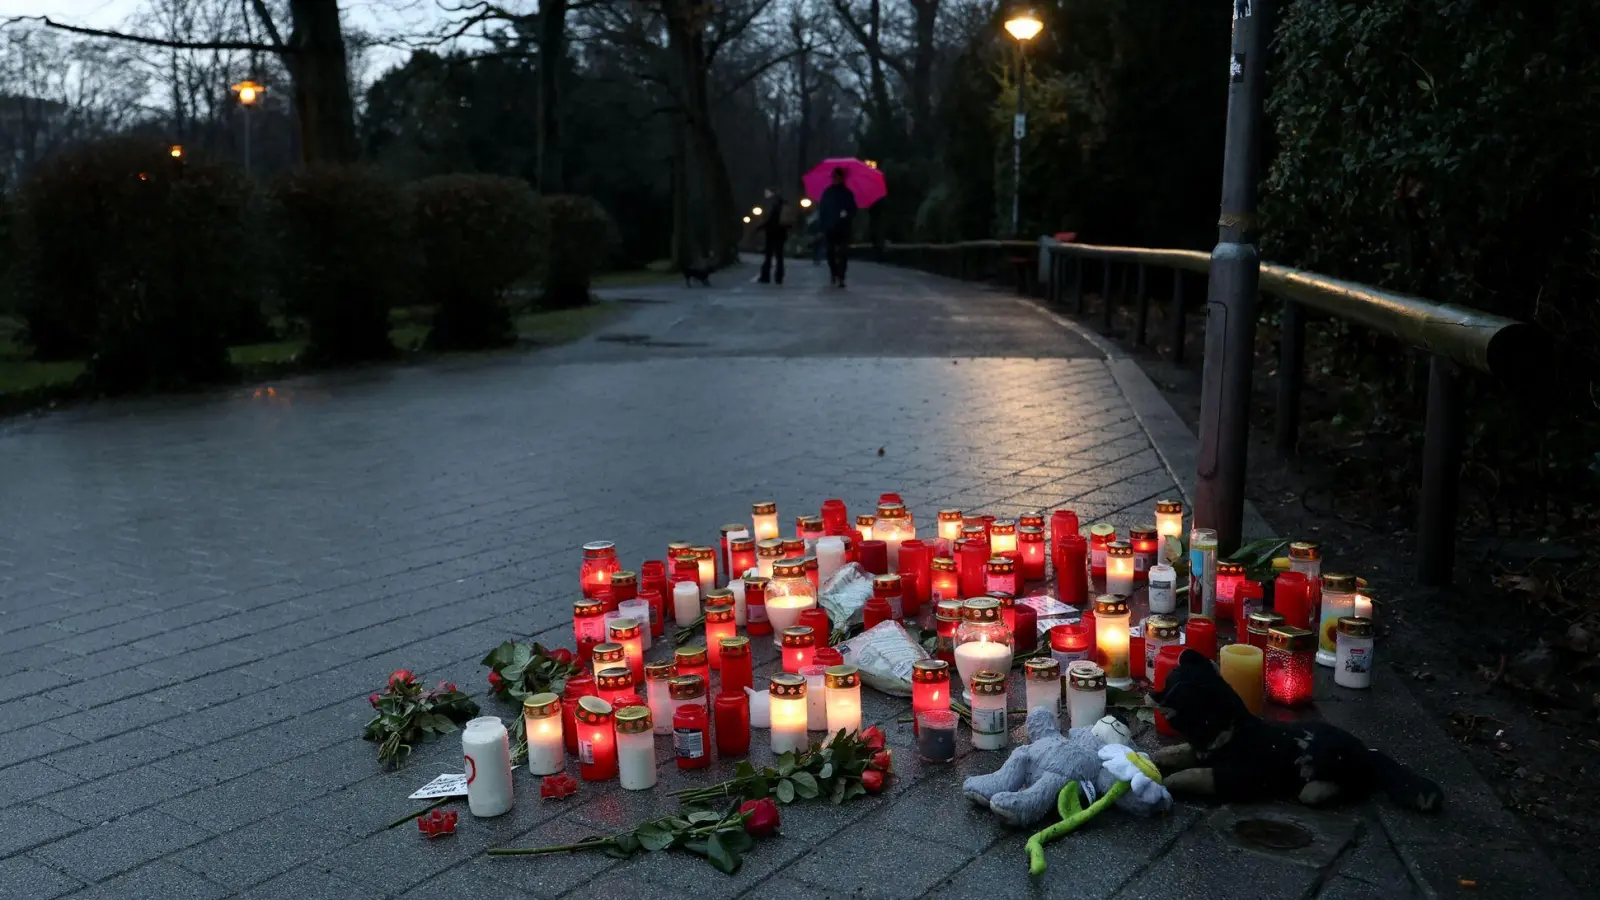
[[764, 520], [1169, 524], [1363, 605], [784, 611], [685, 603], [788, 705], [990, 728], [1086, 693], [707, 560], [1163, 589], [1119, 568], [639, 611], [736, 584], [636, 749], [760, 708], [816, 697], [657, 676], [1111, 637], [1042, 683], [977, 656], [541, 721], [830, 557], [844, 699], [487, 749]]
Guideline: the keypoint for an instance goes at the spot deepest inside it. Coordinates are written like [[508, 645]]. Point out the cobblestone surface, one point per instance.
[[196, 595]]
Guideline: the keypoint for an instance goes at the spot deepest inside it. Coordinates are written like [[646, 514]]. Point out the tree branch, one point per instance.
[[868, 43], [740, 82], [146, 39]]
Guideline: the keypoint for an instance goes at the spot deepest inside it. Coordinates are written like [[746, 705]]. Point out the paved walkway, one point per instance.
[[196, 595]]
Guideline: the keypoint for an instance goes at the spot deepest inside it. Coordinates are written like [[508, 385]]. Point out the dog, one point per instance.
[[700, 273], [1234, 756]]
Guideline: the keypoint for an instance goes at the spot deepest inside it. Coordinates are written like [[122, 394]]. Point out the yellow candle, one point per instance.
[[1241, 669]]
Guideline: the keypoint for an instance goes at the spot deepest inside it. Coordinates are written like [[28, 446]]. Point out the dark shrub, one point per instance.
[[140, 260], [345, 244], [581, 238], [475, 236]]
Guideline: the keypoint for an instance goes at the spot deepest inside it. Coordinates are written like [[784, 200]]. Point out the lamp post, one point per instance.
[[1024, 26], [248, 92]]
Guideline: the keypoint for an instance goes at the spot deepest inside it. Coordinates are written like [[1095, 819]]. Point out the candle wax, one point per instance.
[[978, 656]]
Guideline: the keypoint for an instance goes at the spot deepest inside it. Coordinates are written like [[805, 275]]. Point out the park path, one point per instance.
[[197, 594]]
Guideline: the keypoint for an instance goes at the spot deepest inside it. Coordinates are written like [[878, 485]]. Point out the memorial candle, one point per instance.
[[788, 594], [686, 691], [811, 531], [1354, 664], [636, 749], [630, 635], [691, 736], [1008, 613], [1070, 643], [1364, 601], [1289, 663], [695, 662], [973, 556], [599, 561], [1086, 694], [947, 619], [597, 740], [639, 610], [1169, 526], [657, 678], [1042, 676], [736, 664], [950, 522], [606, 656], [788, 713], [624, 586], [732, 718], [1119, 568], [1000, 575], [487, 749], [1025, 627], [685, 567], [830, 557], [1200, 635], [875, 556], [942, 584], [724, 560], [1163, 590], [1338, 599], [888, 588], [755, 605], [843, 684], [816, 697], [1305, 557], [1072, 570], [1229, 576], [578, 687], [1203, 572], [982, 642], [1159, 632], [991, 729], [1063, 523], [612, 683], [1242, 670], [816, 619], [1145, 550], [741, 556], [1030, 544], [1291, 597], [719, 625], [936, 735], [835, 517], [764, 520], [813, 573], [685, 603], [1100, 537], [1258, 624], [1111, 638], [588, 622], [864, 523], [1166, 661], [930, 688], [768, 552], [916, 573], [541, 722], [706, 561], [1003, 537], [653, 578], [736, 588], [799, 645]]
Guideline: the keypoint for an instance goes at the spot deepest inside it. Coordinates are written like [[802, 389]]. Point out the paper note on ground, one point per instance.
[[450, 784]]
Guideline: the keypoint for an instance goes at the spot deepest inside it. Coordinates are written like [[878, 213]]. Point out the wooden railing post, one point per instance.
[[1105, 298], [1291, 374], [1175, 326], [1441, 475]]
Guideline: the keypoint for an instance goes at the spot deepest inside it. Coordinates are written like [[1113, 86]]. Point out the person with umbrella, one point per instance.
[[838, 215]]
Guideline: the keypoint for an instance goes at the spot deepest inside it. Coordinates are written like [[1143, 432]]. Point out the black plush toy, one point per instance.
[[1233, 755]]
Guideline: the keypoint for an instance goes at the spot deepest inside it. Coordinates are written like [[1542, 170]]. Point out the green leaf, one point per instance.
[[786, 791], [704, 817], [744, 769], [839, 788], [786, 764], [805, 785], [737, 839], [723, 858], [826, 771], [653, 837], [521, 656], [623, 846], [855, 790]]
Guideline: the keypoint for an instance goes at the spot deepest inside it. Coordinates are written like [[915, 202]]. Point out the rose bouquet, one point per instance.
[[408, 714]]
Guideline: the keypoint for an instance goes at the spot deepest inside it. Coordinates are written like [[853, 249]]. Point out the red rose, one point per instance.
[[872, 780], [873, 738], [437, 823], [373, 699], [495, 681], [883, 761], [562, 655], [557, 787], [401, 678], [760, 817], [450, 687]]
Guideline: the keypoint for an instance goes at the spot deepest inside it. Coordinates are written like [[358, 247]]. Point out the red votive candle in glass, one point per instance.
[[1200, 635], [812, 530], [599, 561], [1000, 574], [613, 683], [578, 687], [799, 646], [875, 557], [793, 548], [737, 668], [630, 634], [1247, 599], [813, 572], [916, 570], [943, 584], [852, 546], [876, 612], [686, 567], [657, 624], [1070, 643], [890, 589], [755, 605], [947, 620], [1291, 598], [724, 560], [624, 587], [816, 619], [694, 661], [732, 723], [864, 523], [1229, 576], [1030, 547], [1146, 550], [1136, 655], [1062, 523], [1166, 661], [1258, 626], [597, 740], [1072, 572], [930, 688], [653, 577], [588, 621], [1008, 610], [741, 556], [1290, 660], [719, 625], [691, 736], [827, 656], [1101, 535], [1026, 632], [971, 560], [835, 517]]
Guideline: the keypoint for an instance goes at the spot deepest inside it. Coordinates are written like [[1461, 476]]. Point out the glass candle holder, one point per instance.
[[764, 520], [1163, 589], [1101, 534], [936, 735], [916, 573], [1200, 635], [1086, 694], [724, 556], [638, 609], [1166, 661], [983, 642], [1305, 557], [630, 634], [578, 687], [588, 621], [685, 603], [1000, 575], [731, 713], [1042, 680], [636, 748], [1030, 520], [1291, 598], [685, 566], [1159, 632], [686, 690], [606, 656], [719, 625], [1289, 661], [541, 722], [1354, 653], [830, 557], [942, 581], [947, 619], [811, 531], [835, 517], [1070, 643], [787, 693], [843, 685], [691, 736], [1338, 600], [793, 548], [624, 586], [1003, 537], [613, 683], [657, 676], [1146, 549], [1241, 666], [696, 662], [706, 566], [1024, 627], [1008, 612], [950, 522], [1203, 573], [1111, 638], [741, 556], [816, 620], [799, 646], [864, 524], [930, 687], [599, 561], [653, 580], [597, 740], [788, 594], [768, 552], [887, 590], [1229, 576], [755, 605], [1030, 545], [875, 613], [1072, 570], [1062, 523], [1169, 527], [737, 673], [1257, 626], [990, 728], [971, 560], [1119, 568], [874, 556]]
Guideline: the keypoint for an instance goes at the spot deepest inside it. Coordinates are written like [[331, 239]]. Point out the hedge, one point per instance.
[[581, 238]]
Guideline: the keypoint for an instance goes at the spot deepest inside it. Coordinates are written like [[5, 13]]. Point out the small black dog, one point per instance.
[[1235, 756], [700, 273]]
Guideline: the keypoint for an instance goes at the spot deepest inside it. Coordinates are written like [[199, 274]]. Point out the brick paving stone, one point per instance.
[[117, 794], [159, 879], [115, 754], [881, 864], [29, 825], [28, 780], [119, 845], [33, 741], [23, 877]]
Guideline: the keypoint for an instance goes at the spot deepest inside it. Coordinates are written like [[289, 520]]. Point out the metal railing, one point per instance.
[[1455, 338]]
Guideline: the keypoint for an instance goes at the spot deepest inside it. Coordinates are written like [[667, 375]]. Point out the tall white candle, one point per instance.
[[764, 520], [816, 697], [707, 560], [639, 611], [541, 722], [736, 584], [977, 656], [1119, 568], [990, 728], [788, 705], [487, 749], [760, 707], [685, 603], [844, 699], [657, 677], [636, 749], [830, 557]]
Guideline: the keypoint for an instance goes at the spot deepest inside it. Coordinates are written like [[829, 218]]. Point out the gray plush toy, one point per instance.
[[1024, 790]]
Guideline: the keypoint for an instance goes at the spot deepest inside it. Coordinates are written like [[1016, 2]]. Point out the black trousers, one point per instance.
[[776, 239], [838, 253]]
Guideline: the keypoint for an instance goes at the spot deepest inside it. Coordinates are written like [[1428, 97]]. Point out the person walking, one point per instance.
[[838, 213], [774, 225]]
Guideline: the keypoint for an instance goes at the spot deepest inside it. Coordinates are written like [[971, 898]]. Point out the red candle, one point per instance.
[[755, 605], [852, 546], [719, 625], [741, 556], [835, 517], [827, 656], [1200, 635], [798, 648], [942, 584], [814, 572], [1087, 621], [1290, 657], [1030, 547], [1070, 643], [889, 589], [613, 683], [736, 664], [816, 619], [1166, 661], [653, 578], [1100, 537], [1072, 571], [947, 618], [1229, 576], [624, 587], [930, 688], [686, 567], [694, 661], [689, 736], [1291, 598], [599, 561], [1146, 550], [1246, 600], [724, 557], [812, 529], [875, 557], [972, 558], [890, 497], [588, 621], [875, 612], [793, 548], [578, 687], [597, 740], [733, 724], [1136, 656], [1062, 523], [916, 571], [1008, 609], [1026, 633]]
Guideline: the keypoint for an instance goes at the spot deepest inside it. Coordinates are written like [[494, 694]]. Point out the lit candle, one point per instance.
[[893, 526], [982, 642], [630, 635], [1086, 694], [1338, 599], [685, 603], [695, 662], [835, 518], [764, 520], [487, 749], [947, 620], [1100, 536], [1119, 568], [1145, 547], [1008, 612], [768, 552], [788, 713], [1242, 670], [788, 594], [1030, 543], [930, 688], [1111, 638], [811, 531], [813, 573], [597, 740], [1159, 632], [1203, 573], [578, 687], [624, 587], [1069, 643], [1258, 624], [1003, 537], [1169, 524], [685, 690], [706, 559], [637, 609], [1200, 635], [1000, 575], [1354, 669], [830, 557], [636, 748], [1305, 557], [864, 523], [990, 730], [793, 548], [588, 622], [816, 697], [719, 625], [799, 647], [1364, 602], [843, 685], [741, 556], [1290, 654], [686, 567], [613, 683], [608, 656], [943, 584], [599, 561], [657, 678], [1230, 575], [736, 664], [541, 722], [950, 522], [1042, 676]]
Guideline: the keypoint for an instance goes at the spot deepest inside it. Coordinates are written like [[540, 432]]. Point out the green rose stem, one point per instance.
[[590, 844], [421, 812], [690, 631]]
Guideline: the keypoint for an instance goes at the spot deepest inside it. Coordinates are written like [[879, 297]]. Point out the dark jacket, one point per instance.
[[772, 220], [837, 209]]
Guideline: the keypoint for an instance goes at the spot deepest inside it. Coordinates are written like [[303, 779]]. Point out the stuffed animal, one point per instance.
[[1027, 788], [1136, 776]]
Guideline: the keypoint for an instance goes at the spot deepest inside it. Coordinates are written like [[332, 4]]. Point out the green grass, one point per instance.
[[562, 325], [658, 272]]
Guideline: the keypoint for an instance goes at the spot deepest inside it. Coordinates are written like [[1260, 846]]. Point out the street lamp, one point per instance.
[[248, 92], [805, 202], [747, 220], [755, 211], [1023, 26]]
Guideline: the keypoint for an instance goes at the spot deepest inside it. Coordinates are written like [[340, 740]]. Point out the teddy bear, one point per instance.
[[1025, 790]]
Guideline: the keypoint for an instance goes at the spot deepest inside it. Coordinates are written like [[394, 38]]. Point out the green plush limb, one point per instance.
[[1072, 817]]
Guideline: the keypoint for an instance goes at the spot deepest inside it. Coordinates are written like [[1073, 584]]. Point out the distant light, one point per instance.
[[755, 211], [176, 151], [747, 220], [870, 163], [1024, 26], [249, 92], [805, 202]]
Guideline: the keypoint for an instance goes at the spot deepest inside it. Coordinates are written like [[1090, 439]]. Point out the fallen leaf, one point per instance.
[[880, 451]]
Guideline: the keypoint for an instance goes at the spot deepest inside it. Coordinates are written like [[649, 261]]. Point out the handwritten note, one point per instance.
[[450, 784]]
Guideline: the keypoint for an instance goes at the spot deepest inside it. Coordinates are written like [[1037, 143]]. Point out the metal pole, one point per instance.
[[246, 111], [1016, 146], [1231, 299], [1441, 475], [1177, 322], [1291, 374], [1144, 307]]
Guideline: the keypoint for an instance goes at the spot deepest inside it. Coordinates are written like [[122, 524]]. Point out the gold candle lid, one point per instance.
[[1119, 549], [609, 653], [989, 683], [799, 636], [1086, 676], [1355, 626], [1163, 627], [1042, 668], [587, 608], [1102, 530], [842, 677], [789, 568], [787, 686], [1003, 526], [755, 582], [1005, 600], [950, 515], [624, 577], [677, 548], [1000, 565], [1339, 583], [623, 629], [981, 609], [1142, 533], [1110, 605], [944, 564], [1305, 550], [692, 657], [1230, 568], [974, 531], [593, 711], [1027, 534], [719, 612], [764, 508], [541, 706], [703, 552], [1263, 621], [810, 562], [948, 611], [741, 543], [719, 595], [634, 720], [1031, 520], [891, 511], [930, 671], [890, 584], [600, 548], [686, 687], [810, 523], [1294, 640], [769, 547], [738, 645], [1169, 507], [617, 678], [661, 670]]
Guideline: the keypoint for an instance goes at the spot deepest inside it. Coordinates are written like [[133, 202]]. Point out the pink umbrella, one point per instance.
[[863, 180]]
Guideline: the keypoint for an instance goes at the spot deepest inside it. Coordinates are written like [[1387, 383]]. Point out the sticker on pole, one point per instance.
[[1236, 68], [1019, 126]]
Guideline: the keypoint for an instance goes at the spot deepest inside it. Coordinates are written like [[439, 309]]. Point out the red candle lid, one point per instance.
[[828, 656]]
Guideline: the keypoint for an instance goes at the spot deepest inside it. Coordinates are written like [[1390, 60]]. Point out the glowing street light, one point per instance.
[[249, 92], [1023, 26], [747, 220], [175, 151], [755, 211], [805, 202]]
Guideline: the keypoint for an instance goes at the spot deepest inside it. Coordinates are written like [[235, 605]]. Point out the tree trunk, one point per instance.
[[879, 85], [922, 76], [803, 128], [552, 60], [686, 41], [321, 83], [683, 243]]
